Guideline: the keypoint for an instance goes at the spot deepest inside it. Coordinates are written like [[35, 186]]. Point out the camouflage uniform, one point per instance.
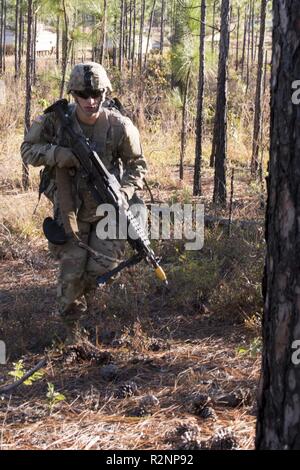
[[116, 140]]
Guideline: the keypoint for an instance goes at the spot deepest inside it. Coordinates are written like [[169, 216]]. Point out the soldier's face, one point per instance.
[[90, 105]]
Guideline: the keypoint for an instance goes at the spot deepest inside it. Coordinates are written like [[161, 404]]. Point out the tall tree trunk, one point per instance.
[[104, 33], [20, 38], [257, 110], [57, 40], [114, 42], [162, 26], [237, 41], [16, 38], [133, 39], [261, 170], [125, 34], [184, 124], [252, 30], [4, 36], [278, 420], [149, 32], [25, 172], [33, 45], [66, 47], [141, 38], [121, 37], [248, 53], [199, 119], [130, 33], [220, 127], [244, 42]]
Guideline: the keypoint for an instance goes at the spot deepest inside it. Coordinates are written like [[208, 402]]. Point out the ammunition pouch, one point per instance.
[[54, 233]]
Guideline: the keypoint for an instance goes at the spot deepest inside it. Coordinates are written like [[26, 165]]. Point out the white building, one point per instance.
[[45, 40]]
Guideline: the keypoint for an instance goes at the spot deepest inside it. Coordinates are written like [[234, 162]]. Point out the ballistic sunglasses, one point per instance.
[[85, 94]]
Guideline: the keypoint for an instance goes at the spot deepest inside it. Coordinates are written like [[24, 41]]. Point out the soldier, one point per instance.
[[117, 142]]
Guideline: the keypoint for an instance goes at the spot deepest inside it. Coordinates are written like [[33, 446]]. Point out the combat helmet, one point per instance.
[[88, 75]]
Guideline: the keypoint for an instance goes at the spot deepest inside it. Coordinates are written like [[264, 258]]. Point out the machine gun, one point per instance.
[[106, 189]]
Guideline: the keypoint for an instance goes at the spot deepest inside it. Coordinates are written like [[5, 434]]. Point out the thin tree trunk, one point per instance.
[[16, 38], [257, 109], [197, 190], [33, 45], [57, 40], [93, 37], [262, 119], [20, 38], [149, 32], [121, 37], [252, 32], [244, 43], [104, 33], [114, 51], [73, 45], [237, 41], [25, 171], [133, 39], [130, 33], [125, 34], [279, 405], [66, 48], [4, 37], [248, 53], [220, 136], [184, 124], [141, 39]]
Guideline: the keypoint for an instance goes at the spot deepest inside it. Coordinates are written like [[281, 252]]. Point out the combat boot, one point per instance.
[[70, 317]]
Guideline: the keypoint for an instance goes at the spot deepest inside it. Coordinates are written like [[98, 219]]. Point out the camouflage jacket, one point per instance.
[[115, 139]]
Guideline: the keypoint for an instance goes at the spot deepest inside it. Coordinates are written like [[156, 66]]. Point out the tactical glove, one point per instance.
[[65, 158]]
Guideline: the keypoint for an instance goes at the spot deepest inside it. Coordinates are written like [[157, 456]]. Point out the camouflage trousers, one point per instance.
[[78, 271]]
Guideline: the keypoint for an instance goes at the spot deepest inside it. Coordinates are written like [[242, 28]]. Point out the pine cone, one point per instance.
[[208, 413], [127, 390], [200, 401], [149, 402], [139, 412], [186, 437], [192, 430], [189, 444], [223, 440]]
